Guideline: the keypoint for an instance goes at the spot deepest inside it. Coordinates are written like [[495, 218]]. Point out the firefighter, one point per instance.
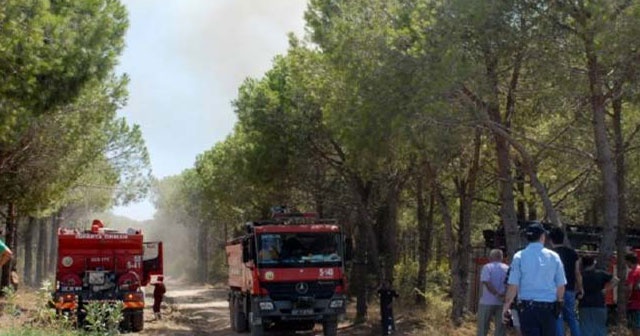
[[158, 294], [96, 225], [387, 295]]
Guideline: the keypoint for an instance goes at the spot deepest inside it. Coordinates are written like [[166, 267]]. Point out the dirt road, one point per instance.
[[204, 310]]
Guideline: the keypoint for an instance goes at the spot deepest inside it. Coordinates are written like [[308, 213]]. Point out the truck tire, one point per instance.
[[330, 327], [238, 317], [125, 324], [232, 313], [137, 322]]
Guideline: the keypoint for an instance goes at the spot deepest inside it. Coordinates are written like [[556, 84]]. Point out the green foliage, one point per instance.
[[51, 50], [32, 331], [60, 137], [10, 306], [406, 275], [103, 318], [374, 93]]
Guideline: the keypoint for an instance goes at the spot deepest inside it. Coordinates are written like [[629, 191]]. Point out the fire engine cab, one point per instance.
[[287, 273]]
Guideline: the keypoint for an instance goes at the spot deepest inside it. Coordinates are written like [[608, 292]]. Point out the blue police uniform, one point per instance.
[[538, 273]]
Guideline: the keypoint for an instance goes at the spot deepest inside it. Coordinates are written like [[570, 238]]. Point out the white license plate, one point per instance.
[[96, 278], [302, 311]]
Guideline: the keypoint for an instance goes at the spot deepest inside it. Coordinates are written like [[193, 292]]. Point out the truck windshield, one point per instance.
[[293, 249]]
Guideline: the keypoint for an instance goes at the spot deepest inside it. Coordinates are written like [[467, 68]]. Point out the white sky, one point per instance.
[[186, 60]]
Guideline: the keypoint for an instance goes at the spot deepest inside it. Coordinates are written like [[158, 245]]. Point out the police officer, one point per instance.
[[537, 277]]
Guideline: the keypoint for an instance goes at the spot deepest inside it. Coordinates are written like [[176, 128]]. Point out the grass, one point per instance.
[[26, 313]]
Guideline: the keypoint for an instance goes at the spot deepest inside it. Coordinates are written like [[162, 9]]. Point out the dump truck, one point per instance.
[[287, 273], [105, 265]]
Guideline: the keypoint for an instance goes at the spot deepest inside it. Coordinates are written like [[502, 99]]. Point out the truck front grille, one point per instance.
[[287, 290]]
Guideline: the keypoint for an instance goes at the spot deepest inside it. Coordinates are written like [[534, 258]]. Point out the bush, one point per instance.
[[10, 307], [103, 318]]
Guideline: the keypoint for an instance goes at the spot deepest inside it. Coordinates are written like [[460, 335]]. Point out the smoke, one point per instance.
[[186, 60]]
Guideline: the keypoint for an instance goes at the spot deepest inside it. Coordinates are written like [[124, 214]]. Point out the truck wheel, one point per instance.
[[137, 322], [238, 318], [125, 324], [232, 313], [330, 328]]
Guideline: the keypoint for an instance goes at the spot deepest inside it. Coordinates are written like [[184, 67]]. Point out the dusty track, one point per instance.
[[204, 310]]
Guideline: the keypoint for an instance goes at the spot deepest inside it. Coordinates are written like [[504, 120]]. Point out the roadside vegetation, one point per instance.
[[29, 313], [416, 124], [419, 124]]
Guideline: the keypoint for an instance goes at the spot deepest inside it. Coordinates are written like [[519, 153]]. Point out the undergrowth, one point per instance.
[[102, 319]]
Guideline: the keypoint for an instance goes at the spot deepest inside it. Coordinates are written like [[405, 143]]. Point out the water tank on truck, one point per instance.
[[105, 265]]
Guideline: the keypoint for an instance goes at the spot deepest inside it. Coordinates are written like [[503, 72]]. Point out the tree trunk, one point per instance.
[[621, 170], [456, 281], [28, 252], [360, 281], [604, 154], [423, 256], [462, 254], [203, 253], [521, 208], [367, 239], [388, 227], [53, 243], [507, 207], [529, 166], [10, 240], [41, 251]]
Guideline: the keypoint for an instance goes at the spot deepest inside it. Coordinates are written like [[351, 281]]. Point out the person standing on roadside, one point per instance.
[[158, 294], [592, 306], [492, 277], [5, 253], [387, 294], [633, 288], [571, 263], [537, 277]]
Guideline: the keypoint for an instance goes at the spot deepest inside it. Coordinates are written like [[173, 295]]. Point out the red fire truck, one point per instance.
[[287, 273], [105, 265]]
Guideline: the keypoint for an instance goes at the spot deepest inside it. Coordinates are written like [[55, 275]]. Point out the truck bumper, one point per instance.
[[305, 309]]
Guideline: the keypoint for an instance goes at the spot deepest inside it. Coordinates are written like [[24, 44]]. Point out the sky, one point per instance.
[[186, 60]]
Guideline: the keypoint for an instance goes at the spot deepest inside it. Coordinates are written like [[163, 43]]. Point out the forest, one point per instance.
[[415, 123], [418, 124], [64, 150]]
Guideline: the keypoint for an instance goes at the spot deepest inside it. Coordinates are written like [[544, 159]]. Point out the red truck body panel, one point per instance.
[[78, 252], [105, 265], [287, 272]]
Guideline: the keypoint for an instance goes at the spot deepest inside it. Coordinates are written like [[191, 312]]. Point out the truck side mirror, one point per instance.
[[348, 248]]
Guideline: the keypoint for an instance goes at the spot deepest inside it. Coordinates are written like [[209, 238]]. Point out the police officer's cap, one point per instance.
[[535, 230]]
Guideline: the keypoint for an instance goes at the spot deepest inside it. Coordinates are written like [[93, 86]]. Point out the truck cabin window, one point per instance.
[[290, 249]]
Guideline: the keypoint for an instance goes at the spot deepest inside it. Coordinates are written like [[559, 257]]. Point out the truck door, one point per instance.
[[152, 263]]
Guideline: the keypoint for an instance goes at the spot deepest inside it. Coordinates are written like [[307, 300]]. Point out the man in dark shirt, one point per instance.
[[158, 294], [571, 263], [387, 294], [592, 308]]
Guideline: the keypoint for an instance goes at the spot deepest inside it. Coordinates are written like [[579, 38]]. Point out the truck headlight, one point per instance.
[[266, 305], [336, 304]]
